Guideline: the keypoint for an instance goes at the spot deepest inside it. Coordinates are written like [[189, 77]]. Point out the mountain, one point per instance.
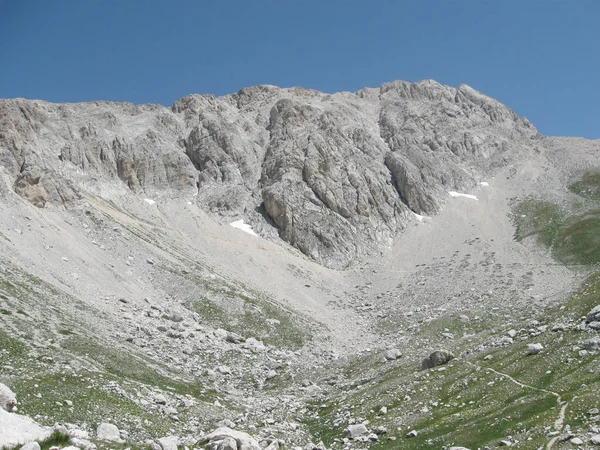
[[336, 176], [285, 261]]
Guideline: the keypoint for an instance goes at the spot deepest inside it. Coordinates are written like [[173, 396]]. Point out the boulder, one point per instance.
[[108, 432], [392, 354], [244, 440], [16, 429], [168, 443], [594, 315], [437, 358], [8, 399], [534, 349], [354, 431]]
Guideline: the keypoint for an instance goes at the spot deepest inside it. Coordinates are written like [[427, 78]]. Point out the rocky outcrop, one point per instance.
[[338, 175], [16, 429]]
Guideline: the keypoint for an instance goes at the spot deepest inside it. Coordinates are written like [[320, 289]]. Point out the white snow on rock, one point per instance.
[[458, 194], [484, 183], [16, 429], [421, 218], [150, 202], [240, 225]]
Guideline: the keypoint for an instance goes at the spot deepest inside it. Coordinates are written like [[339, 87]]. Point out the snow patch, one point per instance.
[[458, 194], [240, 225], [150, 202], [484, 183], [421, 218]]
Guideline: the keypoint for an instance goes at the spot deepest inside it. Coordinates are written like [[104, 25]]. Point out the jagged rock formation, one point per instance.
[[337, 175]]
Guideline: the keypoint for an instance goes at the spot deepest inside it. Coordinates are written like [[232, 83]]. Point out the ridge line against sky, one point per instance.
[[539, 57]]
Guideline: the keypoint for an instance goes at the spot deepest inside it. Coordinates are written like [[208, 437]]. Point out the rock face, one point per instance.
[[336, 175]]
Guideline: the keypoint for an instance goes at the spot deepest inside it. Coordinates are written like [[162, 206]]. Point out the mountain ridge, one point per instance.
[[296, 163]]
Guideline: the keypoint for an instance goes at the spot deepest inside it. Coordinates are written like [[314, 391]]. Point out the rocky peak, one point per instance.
[[337, 175]]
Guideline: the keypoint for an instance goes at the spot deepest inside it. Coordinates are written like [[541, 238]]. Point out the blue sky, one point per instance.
[[540, 57]]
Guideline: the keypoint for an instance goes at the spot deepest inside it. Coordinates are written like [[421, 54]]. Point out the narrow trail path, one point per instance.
[[559, 422]]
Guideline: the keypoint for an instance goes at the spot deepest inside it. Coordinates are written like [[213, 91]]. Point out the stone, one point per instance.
[[592, 344], [595, 439], [392, 354], [243, 440], [16, 429], [228, 443], [234, 338], [505, 443], [168, 442], [593, 315], [412, 434], [31, 446], [534, 349], [109, 433], [576, 441], [383, 411], [8, 399], [594, 325], [437, 358], [354, 431]]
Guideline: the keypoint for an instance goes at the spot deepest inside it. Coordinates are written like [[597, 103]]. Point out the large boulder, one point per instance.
[[16, 429], [8, 399], [437, 358], [594, 315], [222, 438], [109, 433]]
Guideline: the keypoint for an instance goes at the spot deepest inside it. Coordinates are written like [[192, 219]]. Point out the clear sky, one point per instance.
[[540, 57]]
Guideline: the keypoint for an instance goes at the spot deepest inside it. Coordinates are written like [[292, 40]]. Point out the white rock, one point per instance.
[[244, 440], [109, 433], [31, 446], [168, 442], [16, 429], [534, 349]]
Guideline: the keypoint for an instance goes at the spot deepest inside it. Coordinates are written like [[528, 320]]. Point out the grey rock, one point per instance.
[[437, 358], [31, 446], [244, 440], [354, 431], [594, 315], [534, 349], [168, 442], [228, 443], [8, 399], [412, 434], [109, 433], [592, 344], [338, 175], [234, 338], [392, 354], [595, 439]]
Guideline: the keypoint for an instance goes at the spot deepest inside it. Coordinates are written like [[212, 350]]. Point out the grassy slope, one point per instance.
[[467, 403]]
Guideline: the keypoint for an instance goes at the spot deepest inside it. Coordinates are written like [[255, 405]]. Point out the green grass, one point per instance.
[[574, 239], [127, 366], [577, 241], [12, 346], [250, 316], [538, 218], [588, 186]]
